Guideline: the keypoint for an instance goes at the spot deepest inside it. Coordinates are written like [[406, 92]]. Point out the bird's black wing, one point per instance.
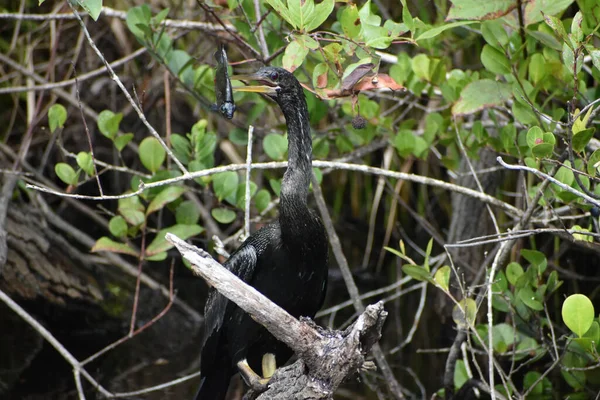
[[216, 367], [241, 263]]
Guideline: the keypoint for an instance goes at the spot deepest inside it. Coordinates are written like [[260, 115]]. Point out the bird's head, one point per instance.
[[277, 83]]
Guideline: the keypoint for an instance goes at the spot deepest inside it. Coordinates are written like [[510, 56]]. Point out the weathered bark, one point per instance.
[[470, 217], [42, 265]]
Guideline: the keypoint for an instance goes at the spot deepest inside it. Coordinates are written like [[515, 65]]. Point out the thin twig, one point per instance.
[[81, 78], [261, 34], [318, 164], [89, 138], [540, 174], [122, 15], [247, 191]]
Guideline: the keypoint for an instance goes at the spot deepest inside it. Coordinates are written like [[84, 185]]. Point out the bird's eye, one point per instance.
[[274, 76]]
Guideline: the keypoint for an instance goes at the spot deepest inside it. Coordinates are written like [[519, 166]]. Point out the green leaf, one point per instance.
[[85, 162], [117, 226], [407, 18], [479, 10], [319, 79], [582, 138], [93, 7], [578, 313], [534, 9], [223, 215], [66, 173], [427, 254], [576, 32], [513, 272], [593, 164], [433, 32], [416, 272], [595, 54], [179, 63], [238, 198], [535, 258], [442, 277], [481, 94], [133, 217], [508, 135], [152, 155], [275, 146], [537, 68], [569, 59], [294, 55], [575, 379], [138, 21], [590, 339], [107, 244], [557, 26], [132, 209], [157, 257], [581, 236], [535, 136], [282, 10], [420, 66], [165, 197], [225, 184], [262, 200], [504, 337], [530, 378], [500, 283], [160, 17], [367, 16], [465, 312], [529, 298], [183, 232], [57, 115], [461, 374], [553, 283], [495, 61], [494, 34], [564, 175], [543, 150], [121, 141], [320, 15], [350, 21], [405, 142], [187, 213], [546, 39], [108, 123]]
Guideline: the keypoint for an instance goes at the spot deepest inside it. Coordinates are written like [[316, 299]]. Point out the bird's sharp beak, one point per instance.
[[268, 87]]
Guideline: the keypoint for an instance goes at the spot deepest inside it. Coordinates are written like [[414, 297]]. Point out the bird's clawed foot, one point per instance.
[[252, 379]]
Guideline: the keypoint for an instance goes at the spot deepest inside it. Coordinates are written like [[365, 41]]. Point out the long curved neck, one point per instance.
[[296, 180]]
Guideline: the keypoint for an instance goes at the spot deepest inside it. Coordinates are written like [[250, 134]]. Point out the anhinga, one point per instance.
[[286, 260]]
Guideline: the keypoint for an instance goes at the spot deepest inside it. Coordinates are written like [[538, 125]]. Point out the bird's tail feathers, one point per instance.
[[214, 385]]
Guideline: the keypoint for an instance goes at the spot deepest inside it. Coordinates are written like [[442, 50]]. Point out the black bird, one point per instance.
[[223, 92], [286, 260]]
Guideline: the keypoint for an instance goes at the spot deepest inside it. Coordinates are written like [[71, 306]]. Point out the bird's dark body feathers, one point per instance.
[[286, 261]]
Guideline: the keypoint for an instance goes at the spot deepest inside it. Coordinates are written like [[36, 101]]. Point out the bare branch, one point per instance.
[[325, 357]]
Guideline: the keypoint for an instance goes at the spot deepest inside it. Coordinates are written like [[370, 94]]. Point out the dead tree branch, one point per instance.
[[326, 358]]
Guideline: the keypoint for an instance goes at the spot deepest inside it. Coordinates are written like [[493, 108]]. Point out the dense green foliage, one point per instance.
[[420, 87]]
